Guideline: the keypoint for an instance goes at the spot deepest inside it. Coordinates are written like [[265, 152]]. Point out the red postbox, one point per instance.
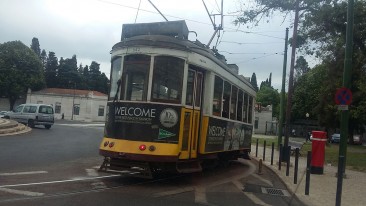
[[318, 152]]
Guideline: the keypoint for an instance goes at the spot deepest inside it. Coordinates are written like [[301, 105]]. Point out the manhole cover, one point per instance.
[[274, 191]]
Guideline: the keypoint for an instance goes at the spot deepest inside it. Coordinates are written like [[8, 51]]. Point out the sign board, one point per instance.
[[343, 96], [342, 107]]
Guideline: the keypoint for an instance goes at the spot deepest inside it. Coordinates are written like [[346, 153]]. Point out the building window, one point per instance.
[[256, 122], [101, 111], [58, 107], [76, 109]]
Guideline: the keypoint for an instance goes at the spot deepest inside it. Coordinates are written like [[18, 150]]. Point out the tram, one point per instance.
[[174, 105]]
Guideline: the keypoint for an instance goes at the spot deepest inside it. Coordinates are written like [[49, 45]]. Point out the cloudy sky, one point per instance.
[[89, 29]]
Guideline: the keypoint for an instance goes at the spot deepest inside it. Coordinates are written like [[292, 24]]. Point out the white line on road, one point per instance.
[[255, 199], [59, 181], [23, 173], [21, 192]]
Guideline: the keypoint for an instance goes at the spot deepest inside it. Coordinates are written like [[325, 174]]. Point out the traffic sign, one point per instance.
[[343, 96]]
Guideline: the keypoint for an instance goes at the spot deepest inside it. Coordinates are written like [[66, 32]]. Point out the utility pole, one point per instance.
[[285, 152], [282, 102], [345, 113]]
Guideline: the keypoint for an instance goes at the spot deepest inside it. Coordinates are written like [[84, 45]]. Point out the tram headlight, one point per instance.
[[142, 147], [111, 144], [106, 143]]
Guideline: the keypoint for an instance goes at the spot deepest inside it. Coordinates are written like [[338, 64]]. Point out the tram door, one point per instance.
[[192, 114]]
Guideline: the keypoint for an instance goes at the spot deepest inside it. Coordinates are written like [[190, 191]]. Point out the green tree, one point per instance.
[[44, 57], [51, 70], [269, 96], [67, 73], [20, 69], [301, 67], [35, 47], [253, 81]]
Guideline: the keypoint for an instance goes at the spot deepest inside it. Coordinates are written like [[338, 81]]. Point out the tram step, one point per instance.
[[189, 167]]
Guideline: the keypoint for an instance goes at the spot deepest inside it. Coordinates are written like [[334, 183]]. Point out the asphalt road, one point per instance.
[[59, 167]]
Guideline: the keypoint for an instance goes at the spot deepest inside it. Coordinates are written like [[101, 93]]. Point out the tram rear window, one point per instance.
[[135, 77], [167, 79]]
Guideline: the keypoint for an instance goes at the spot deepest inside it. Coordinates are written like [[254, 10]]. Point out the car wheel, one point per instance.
[[31, 123], [47, 126]]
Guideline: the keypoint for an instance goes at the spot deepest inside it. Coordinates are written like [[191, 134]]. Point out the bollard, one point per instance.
[[288, 161], [264, 151], [296, 165], [272, 153], [256, 149], [280, 157], [260, 165], [307, 180]]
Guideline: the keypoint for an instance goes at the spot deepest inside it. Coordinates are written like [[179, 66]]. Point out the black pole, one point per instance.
[[307, 180], [339, 181], [288, 161], [256, 149], [280, 157], [264, 151], [272, 153], [296, 165]]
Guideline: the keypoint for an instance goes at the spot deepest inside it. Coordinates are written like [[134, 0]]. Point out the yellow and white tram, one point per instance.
[[174, 104]]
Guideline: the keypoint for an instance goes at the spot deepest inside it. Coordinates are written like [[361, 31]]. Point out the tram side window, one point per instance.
[[245, 108], [167, 79], [239, 115], [250, 111], [115, 76], [217, 98], [234, 97], [226, 99], [135, 77]]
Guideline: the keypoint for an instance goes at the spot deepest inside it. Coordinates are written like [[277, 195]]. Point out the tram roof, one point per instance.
[[171, 39]]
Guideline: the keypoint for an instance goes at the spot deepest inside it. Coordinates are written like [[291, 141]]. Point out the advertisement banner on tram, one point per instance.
[[225, 136], [142, 122]]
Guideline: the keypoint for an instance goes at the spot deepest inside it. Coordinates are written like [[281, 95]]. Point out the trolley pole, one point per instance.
[[345, 113], [282, 101]]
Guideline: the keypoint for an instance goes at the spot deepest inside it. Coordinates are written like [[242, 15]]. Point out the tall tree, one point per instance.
[[67, 73], [35, 47], [301, 67], [51, 70], [269, 96], [44, 57], [20, 69], [253, 81]]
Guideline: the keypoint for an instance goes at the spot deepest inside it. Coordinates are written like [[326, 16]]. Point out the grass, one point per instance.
[[355, 158]]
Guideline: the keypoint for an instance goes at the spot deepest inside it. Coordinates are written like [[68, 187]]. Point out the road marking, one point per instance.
[[59, 181], [21, 192], [255, 199], [174, 192], [23, 173], [96, 184], [200, 195]]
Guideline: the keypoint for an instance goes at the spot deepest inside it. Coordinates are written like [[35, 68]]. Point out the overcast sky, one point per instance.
[[89, 29]]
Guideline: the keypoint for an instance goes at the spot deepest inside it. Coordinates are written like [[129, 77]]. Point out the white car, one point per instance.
[[2, 113]]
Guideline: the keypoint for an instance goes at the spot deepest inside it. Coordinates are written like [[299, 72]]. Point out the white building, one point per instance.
[[88, 105], [264, 122]]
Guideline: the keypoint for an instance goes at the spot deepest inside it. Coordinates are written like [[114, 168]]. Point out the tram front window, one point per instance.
[[115, 76], [167, 79], [135, 77]]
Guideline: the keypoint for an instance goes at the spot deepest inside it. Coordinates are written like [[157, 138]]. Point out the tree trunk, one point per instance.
[[12, 100]]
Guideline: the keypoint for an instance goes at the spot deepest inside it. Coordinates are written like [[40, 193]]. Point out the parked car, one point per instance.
[[2, 114], [335, 138], [33, 114], [357, 139]]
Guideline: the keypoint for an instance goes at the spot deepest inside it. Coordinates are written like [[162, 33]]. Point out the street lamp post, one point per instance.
[[73, 104], [307, 126]]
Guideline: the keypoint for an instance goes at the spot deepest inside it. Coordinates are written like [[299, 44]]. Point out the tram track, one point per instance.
[[144, 181]]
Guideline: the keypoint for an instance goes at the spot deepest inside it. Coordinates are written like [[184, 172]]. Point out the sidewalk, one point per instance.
[[323, 188]]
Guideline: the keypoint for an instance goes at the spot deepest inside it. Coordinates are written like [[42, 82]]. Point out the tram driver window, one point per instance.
[[135, 77], [167, 79], [115, 76]]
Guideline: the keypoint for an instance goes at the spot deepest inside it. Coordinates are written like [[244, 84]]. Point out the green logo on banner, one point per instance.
[[165, 134]]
